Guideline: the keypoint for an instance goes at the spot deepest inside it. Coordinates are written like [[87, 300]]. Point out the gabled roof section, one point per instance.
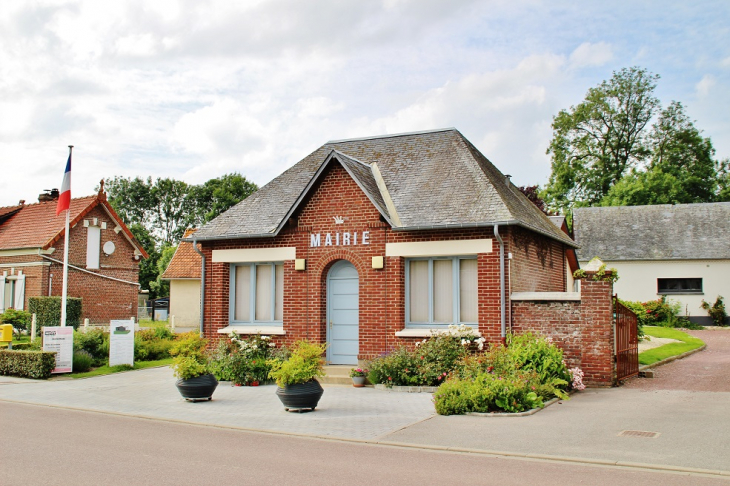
[[661, 232], [185, 263], [424, 180], [37, 226]]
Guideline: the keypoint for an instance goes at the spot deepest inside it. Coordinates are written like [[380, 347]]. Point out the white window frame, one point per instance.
[[456, 293], [93, 247], [252, 295]]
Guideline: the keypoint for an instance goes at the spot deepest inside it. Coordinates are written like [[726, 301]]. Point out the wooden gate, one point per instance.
[[627, 341]]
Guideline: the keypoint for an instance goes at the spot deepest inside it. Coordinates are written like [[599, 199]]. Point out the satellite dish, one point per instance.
[[109, 247]]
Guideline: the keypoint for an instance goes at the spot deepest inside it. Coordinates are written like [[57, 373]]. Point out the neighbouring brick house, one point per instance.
[[183, 272], [370, 243], [103, 256]]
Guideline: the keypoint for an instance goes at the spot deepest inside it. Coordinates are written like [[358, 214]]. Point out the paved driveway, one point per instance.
[[687, 408], [687, 405]]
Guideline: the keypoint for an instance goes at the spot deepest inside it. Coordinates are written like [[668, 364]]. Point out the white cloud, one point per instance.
[[705, 85], [589, 55], [193, 90]]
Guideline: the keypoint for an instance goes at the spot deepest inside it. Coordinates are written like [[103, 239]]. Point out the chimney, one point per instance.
[[21, 202], [507, 179], [48, 195]]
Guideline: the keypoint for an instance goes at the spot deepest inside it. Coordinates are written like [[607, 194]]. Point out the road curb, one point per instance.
[[407, 445]]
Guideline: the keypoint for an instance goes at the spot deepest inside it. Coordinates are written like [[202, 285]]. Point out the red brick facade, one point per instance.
[[538, 264], [103, 299], [584, 329]]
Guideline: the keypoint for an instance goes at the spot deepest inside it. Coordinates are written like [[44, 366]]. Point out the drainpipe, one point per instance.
[[202, 285], [501, 280]]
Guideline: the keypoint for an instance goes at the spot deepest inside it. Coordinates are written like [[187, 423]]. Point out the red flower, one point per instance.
[[390, 379]]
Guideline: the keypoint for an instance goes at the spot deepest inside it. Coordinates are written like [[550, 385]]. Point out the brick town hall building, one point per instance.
[[369, 243]]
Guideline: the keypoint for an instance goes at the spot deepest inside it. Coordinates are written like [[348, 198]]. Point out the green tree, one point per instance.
[[161, 288], [598, 141], [217, 195], [681, 171]]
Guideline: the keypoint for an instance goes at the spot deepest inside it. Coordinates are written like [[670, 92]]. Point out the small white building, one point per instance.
[[183, 272], [679, 251]]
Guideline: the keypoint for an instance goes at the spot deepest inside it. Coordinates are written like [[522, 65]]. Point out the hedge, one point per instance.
[[48, 311], [27, 364]]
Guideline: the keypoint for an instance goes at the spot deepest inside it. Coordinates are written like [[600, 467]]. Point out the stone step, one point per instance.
[[337, 375]]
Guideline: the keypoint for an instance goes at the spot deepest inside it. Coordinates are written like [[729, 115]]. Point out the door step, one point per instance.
[[337, 375]]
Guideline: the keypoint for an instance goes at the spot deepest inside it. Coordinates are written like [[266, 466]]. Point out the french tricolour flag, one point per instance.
[[64, 199]]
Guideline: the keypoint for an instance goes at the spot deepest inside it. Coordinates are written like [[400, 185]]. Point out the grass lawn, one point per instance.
[[107, 370], [668, 350], [149, 323]]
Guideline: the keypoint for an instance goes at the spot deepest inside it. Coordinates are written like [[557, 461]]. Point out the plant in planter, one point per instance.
[[296, 376], [190, 365], [358, 377]]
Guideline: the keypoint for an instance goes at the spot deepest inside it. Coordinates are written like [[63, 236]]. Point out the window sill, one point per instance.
[[265, 330], [681, 293], [427, 332]]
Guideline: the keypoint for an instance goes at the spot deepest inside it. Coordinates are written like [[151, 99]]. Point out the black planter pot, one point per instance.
[[300, 397], [198, 388]]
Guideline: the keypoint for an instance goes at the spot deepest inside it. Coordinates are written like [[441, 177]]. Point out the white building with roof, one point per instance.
[[678, 251]]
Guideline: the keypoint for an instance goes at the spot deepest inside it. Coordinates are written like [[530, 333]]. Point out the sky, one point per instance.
[[194, 89]]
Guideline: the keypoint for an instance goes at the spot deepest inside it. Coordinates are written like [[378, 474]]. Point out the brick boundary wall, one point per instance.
[[583, 329]]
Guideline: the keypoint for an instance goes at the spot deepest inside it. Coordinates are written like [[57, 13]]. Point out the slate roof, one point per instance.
[[435, 179], [185, 263], [661, 232], [37, 226]]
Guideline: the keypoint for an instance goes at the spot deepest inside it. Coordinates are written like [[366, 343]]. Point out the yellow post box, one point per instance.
[[6, 333]]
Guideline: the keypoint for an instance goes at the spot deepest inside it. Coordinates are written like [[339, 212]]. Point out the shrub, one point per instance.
[[716, 311], [243, 360], [189, 359], [82, 361], [93, 341], [48, 310], [429, 363], [19, 319], [27, 364], [304, 364], [149, 346], [532, 352], [488, 392]]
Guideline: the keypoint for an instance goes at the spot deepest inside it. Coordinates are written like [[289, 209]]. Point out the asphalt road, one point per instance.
[[47, 445]]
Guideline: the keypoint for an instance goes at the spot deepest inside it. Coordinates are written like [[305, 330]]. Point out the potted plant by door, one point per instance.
[[358, 377], [298, 388], [190, 365]]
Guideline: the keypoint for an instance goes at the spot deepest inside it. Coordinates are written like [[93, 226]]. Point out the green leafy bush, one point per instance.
[[151, 345], [304, 364], [82, 361], [19, 319], [429, 362], [188, 352], [95, 342], [48, 311], [27, 364], [488, 392], [716, 311], [532, 352], [243, 361]]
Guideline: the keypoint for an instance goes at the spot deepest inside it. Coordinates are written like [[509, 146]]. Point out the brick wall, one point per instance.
[[382, 292], [583, 329], [103, 299]]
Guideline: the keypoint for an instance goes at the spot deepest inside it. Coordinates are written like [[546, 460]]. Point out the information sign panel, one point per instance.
[[60, 340], [121, 343]]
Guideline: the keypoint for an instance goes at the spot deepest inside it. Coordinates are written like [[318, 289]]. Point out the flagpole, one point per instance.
[[65, 257]]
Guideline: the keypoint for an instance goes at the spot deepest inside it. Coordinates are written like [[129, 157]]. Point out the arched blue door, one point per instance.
[[343, 313]]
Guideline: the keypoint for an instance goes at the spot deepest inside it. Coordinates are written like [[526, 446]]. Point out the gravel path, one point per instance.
[[707, 370]]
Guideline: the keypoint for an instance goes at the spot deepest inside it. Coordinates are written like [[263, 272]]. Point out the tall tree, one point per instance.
[[598, 141], [681, 171], [217, 195]]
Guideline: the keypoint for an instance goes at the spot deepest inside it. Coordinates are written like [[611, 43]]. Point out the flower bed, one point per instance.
[[244, 361], [515, 378]]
